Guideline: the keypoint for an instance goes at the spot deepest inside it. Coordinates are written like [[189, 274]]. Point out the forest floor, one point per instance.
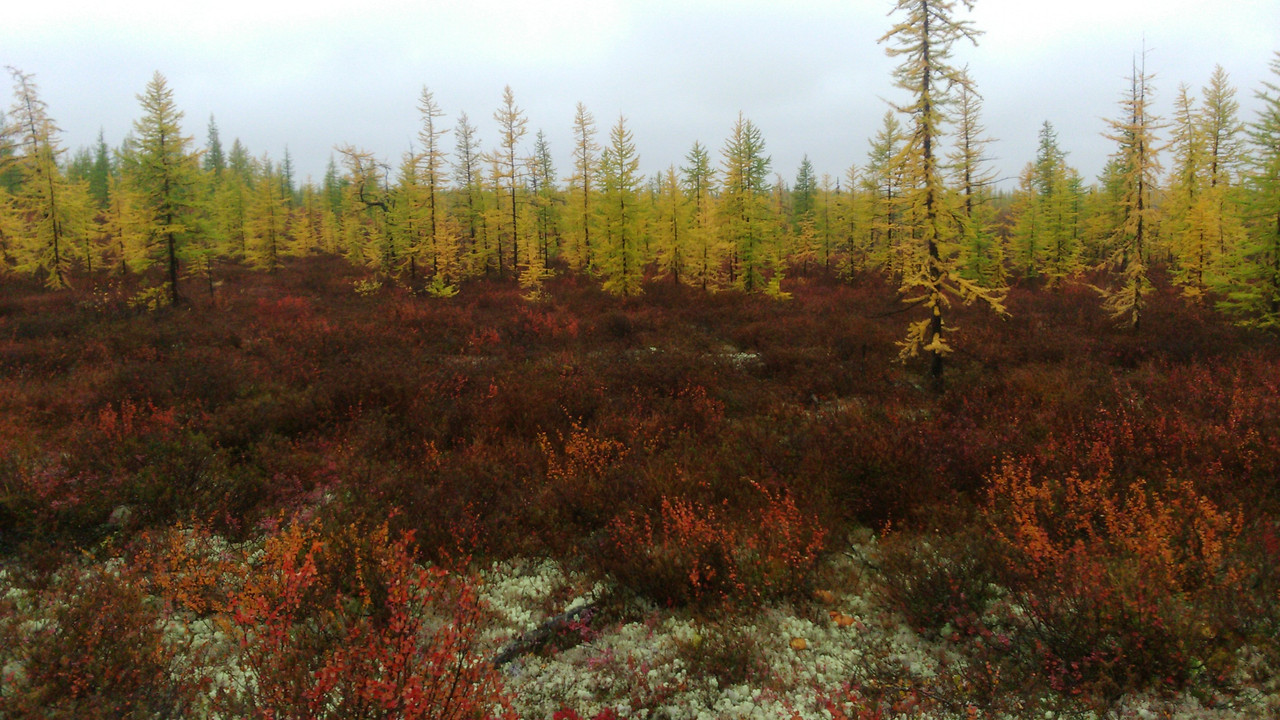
[[307, 495]]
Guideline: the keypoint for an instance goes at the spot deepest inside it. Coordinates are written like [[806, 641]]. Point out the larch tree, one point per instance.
[[8, 182], [311, 233], [441, 242], [466, 179], [546, 198], [981, 260], [1193, 249], [698, 180], [1045, 239], [621, 259], [582, 187], [406, 221], [804, 193], [824, 200], [882, 180], [1023, 251], [52, 214], [100, 174], [166, 175], [267, 220], [229, 213], [744, 206], [924, 39], [215, 160], [803, 228], [125, 228], [284, 173], [1132, 238], [368, 207], [1222, 131], [537, 217], [512, 127], [1250, 285], [672, 227]]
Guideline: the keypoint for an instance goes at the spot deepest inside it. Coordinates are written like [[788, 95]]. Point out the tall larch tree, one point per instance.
[[166, 175], [1132, 239], [267, 220], [980, 259], [288, 186], [1185, 221], [466, 165], [368, 204], [803, 225], [621, 260], [512, 127], [804, 193], [824, 217], [1046, 237], [924, 39], [582, 187], [1250, 286], [546, 198], [406, 221], [882, 181], [100, 174], [698, 179], [672, 227], [9, 230], [52, 213], [1223, 132], [125, 228], [539, 172], [441, 241], [744, 206], [215, 161]]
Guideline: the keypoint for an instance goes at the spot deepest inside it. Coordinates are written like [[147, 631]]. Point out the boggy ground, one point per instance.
[[305, 495]]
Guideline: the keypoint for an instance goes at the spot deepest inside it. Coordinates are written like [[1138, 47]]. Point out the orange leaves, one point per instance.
[[1115, 575], [183, 566], [128, 419], [345, 623], [1177, 536], [586, 454], [697, 553]]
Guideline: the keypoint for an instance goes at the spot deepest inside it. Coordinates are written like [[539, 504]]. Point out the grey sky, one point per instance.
[[809, 73]]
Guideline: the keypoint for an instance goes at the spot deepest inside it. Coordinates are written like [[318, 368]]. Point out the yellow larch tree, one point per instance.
[[706, 252], [51, 214], [923, 39], [582, 189], [1138, 174]]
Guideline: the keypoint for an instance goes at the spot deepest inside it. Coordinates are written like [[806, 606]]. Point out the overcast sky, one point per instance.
[[809, 73]]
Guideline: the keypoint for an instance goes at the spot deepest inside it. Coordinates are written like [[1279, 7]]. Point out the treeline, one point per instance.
[[162, 206]]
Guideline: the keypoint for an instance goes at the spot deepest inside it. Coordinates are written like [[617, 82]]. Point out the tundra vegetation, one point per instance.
[[467, 439]]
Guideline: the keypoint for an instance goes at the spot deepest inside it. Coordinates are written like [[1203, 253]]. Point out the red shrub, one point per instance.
[[351, 627], [695, 553]]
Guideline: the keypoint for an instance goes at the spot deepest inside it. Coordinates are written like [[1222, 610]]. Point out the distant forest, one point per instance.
[[1197, 192]]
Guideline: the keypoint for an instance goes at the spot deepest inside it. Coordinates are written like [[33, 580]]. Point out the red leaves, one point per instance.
[[697, 553], [401, 642]]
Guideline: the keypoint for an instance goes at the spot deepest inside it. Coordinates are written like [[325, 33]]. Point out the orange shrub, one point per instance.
[[388, 638], [702, 554], [1112, 578]]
